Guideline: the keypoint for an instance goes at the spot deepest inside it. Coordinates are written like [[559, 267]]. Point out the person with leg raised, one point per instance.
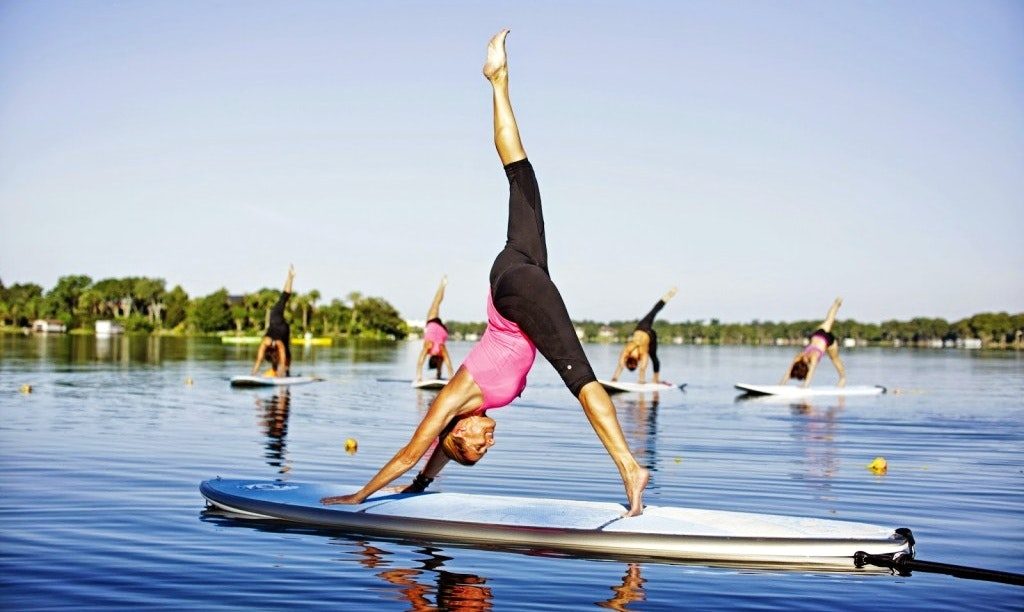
[[525, 314]]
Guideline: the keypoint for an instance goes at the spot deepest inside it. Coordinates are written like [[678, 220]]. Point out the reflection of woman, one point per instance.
[[435, 334], [643, 344], [525, 313], [276, 344], [822, 342], [630, 591], [275, 425]]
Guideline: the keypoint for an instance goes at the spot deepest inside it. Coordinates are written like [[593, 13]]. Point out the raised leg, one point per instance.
[[830, 318], [506, 132], [435, 306]]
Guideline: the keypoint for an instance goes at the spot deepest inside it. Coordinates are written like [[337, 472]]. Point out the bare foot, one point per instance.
[[496, 64], [635, 491]]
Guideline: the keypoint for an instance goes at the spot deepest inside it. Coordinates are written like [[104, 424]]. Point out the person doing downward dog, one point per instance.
[[276, 344], [435, 335], [822, 343], [643, 345], [525, 314]]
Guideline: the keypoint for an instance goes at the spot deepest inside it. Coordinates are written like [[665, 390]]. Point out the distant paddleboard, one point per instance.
[[434, 383], [563, 525], [271, 381], [790, 391], [628, 387], [323, 341], [241, 339]]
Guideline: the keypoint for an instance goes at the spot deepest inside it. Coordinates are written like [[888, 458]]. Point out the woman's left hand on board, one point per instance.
[[341, 499]]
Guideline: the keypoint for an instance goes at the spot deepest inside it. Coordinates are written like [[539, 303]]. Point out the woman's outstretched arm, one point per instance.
[[458, 397], [420, 360], [789, 369], [447, 361], [260, 354], [506, 131], [622, 361]]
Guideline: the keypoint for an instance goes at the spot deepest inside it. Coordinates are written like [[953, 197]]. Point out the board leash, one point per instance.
[[905, 563]]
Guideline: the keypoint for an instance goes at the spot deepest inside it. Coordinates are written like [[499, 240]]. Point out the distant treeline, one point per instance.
[[143, 304], [995, 330]]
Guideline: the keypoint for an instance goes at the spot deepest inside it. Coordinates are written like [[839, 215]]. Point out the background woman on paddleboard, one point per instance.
[[525, 313], [643, 345], [435, 335], [276, 344], [822, 342]]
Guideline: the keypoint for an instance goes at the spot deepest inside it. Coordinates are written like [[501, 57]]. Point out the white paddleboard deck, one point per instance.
[[791, 391], [270, 381], [619, 386], [567, 525]]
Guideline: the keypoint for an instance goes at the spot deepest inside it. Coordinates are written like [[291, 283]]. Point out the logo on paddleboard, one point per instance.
[[269, 486]]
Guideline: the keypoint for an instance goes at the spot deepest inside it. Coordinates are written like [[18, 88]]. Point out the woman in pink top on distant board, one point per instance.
[[525, 313], [822, 342], [435, 335]]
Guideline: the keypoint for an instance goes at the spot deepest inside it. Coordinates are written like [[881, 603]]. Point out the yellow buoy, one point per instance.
[[879, 465], [26, 389], [351, 445], [188, 381], [679, 459]]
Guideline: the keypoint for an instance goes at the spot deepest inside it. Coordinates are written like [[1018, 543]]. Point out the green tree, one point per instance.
[[380, 318], [62, 300], [210, 313], [175, 307]]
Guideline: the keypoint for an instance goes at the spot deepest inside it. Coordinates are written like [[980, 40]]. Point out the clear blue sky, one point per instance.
[[763, 156]]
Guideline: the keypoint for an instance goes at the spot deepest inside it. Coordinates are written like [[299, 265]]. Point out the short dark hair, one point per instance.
[[434, 363], [799, 370], [631, 363], [451, 447]]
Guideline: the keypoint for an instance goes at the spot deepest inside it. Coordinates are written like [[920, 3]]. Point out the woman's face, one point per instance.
[[475, 435]]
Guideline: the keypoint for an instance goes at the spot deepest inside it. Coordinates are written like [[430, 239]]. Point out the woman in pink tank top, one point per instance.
[[822, 342], [525, 314], [435, 335]]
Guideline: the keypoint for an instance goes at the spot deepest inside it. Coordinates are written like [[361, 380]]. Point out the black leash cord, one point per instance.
[[904, 563]]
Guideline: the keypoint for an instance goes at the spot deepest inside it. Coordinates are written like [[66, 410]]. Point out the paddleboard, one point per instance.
[[434, 383], [663, 532], [322, 341], [271, 381], [241, 339], [790, 391], [618, 386]]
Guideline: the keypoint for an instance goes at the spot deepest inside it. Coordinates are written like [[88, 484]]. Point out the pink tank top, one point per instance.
[[501, 360], [437, 335]]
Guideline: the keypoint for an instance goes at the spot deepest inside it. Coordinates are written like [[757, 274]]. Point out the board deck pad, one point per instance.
[[558, 524], [271, 381], [619, 386], [791, 391]]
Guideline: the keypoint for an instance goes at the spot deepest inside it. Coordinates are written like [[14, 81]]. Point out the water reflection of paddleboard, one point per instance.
[[563, 525]]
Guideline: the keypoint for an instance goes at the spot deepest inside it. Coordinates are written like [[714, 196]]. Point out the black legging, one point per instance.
[[522, 290], [646, 325], [279, 328]]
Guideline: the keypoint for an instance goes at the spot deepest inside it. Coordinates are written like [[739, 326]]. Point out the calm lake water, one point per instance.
[[102, 461]]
